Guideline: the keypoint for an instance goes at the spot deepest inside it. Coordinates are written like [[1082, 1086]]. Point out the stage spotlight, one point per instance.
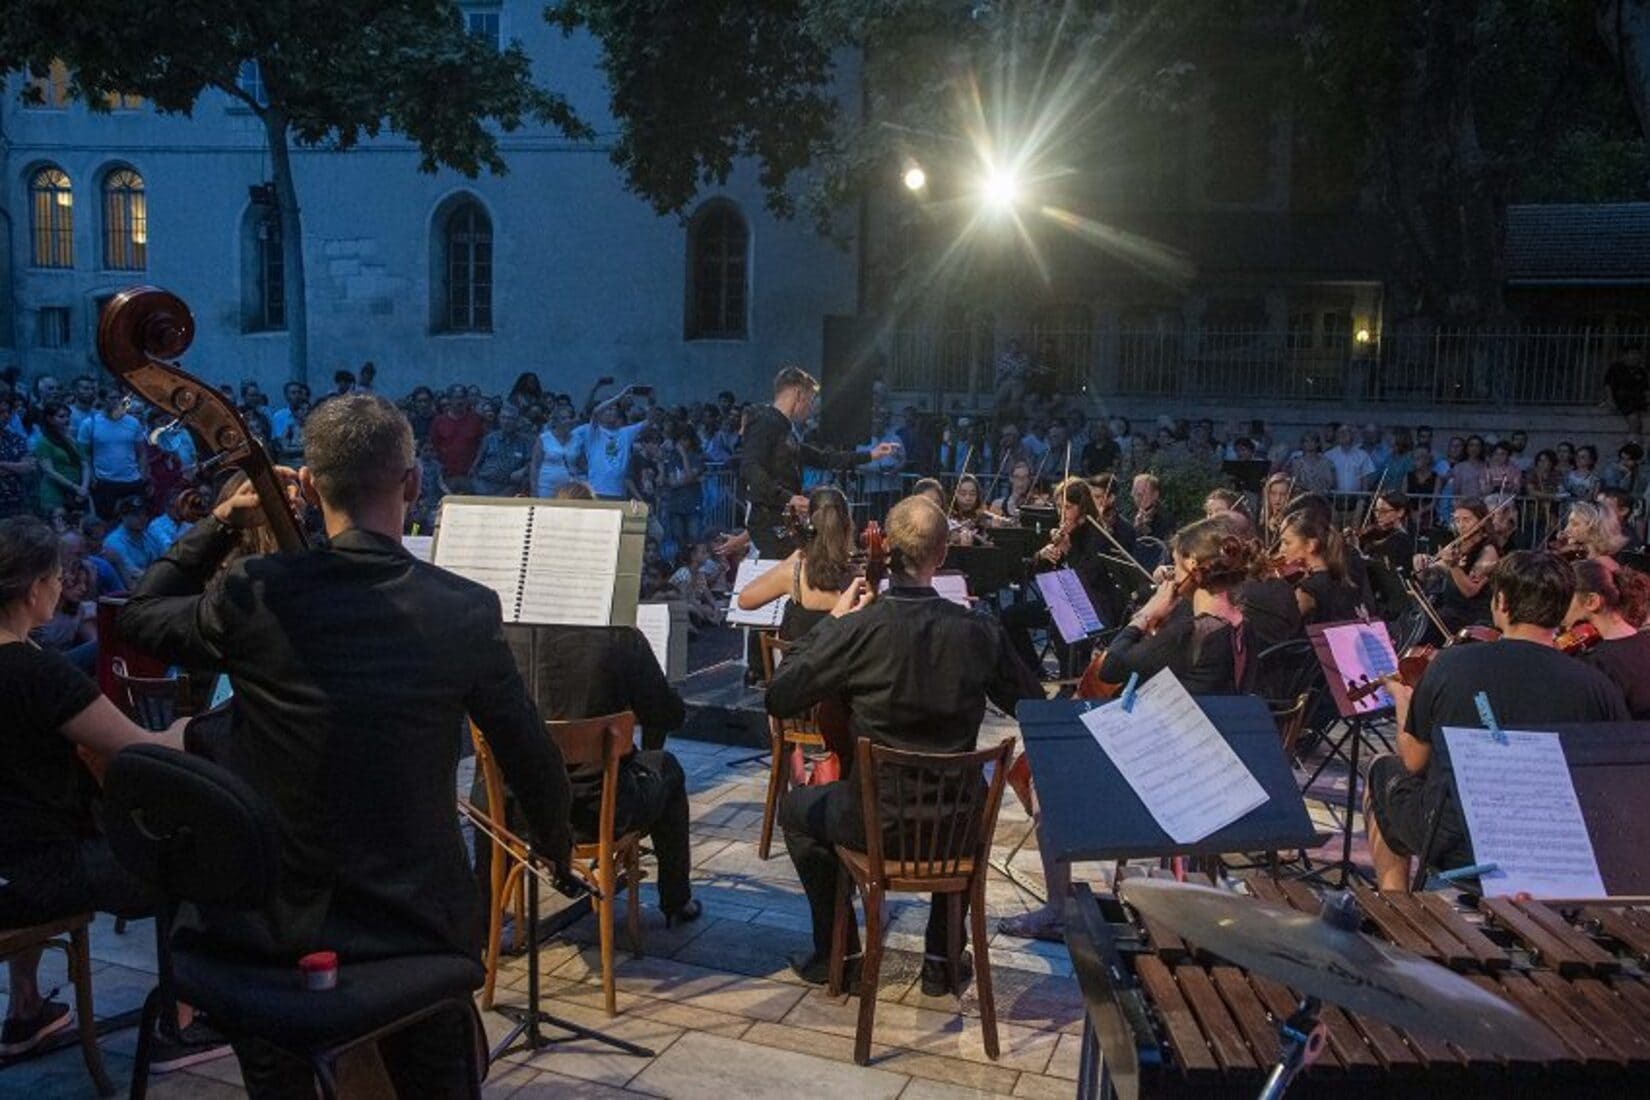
[[1001, 187], [915, 178]]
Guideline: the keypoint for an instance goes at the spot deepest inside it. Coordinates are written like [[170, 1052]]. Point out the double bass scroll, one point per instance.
[[142, 332]]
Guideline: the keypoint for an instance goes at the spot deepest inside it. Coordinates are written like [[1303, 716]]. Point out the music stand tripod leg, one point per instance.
[[1303, 1040], [530, 1018], [1005, 867]]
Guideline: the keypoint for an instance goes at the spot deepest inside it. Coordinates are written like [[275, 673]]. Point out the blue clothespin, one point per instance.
[[1128, 692], [1468, 872], [1487, 716]]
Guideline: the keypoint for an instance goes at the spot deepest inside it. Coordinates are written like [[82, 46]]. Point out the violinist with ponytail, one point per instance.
[[1327, 593], [1614, 600]]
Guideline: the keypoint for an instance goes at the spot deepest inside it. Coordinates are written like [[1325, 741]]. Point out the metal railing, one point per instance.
[[1552, 366]]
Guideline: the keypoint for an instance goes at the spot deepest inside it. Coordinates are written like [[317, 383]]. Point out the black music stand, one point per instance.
[[1349, 746], [989, 569], [1610, 766], [528, 1019]]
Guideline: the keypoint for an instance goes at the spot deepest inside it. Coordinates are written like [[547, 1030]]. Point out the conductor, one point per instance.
[[773, 454]]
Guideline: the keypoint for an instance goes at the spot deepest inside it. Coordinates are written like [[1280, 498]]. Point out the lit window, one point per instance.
[[122, 101], [51, 218], [49, 92], [251, 81], [718, 243], [125, 222], [469, 242]]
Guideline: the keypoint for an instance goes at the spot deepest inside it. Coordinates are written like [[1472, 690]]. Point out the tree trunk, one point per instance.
[[1448, 201], [1624, 25], [292, 247]]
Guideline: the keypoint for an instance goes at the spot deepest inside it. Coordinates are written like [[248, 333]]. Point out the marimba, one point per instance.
[[1172, 1020]]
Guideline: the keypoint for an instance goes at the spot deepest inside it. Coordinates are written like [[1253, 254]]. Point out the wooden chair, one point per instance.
[[71, 936], [944, 853], [785, 735], [606, 741], [505, 869], [153, 702]]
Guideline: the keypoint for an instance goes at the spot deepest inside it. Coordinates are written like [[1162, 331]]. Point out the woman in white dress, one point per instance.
[[554, 454]]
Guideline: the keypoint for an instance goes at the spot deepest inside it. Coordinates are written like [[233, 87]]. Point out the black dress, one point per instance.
[[1333, 601]]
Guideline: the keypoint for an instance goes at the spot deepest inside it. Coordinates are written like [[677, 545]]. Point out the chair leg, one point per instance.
[[326, 1076], [80, 973], [870, 969], [604, 924], [776, 787], [145, 1044], [954, 940], [839, 931], [495, 933], [982, 968], [633, 918]]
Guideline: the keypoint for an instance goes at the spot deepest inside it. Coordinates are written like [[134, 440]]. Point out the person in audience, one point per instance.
[[915, 671], [65, 478], [501, 465], [117, 447], [1354, 469], [456, 433], [17, 465], [1529, 685], [131, 542], [605, 443]]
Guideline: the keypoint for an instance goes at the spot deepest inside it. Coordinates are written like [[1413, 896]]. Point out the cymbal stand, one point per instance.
[[1304, 1036]]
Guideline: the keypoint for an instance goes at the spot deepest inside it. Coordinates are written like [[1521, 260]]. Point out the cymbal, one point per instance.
[[1314, 955]]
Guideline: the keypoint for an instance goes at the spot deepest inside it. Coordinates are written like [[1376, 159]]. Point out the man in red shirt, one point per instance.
[[457, 433]]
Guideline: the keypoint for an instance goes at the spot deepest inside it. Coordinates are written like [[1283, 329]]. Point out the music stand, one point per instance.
[[1370, 656]]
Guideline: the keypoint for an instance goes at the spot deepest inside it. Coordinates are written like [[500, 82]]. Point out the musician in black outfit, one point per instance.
[[1327, 593], [354, 666], [1389, 549], [1078, 546], [772, 455], [1530, 685], [1613, 600], [915, 671]]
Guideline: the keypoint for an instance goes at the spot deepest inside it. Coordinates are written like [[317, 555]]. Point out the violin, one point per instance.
[[142, 333], [1565, 550], [1578, 639], [1292, 570], [876, 556]]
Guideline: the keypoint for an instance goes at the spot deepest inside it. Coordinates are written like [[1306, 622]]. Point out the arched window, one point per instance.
[[718, 247], [125, 222], [51, 218], [468, 239], [263, 270]]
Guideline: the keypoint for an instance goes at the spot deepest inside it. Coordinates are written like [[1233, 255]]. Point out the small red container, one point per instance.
[[320, 969]]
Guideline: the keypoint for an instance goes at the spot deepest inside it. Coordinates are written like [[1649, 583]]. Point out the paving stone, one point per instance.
[[1037, 1087], [946, 1034], [670, 979], [952, 1071], [707, 1067]]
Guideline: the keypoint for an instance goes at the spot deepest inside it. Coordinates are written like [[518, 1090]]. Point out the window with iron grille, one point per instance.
[[484, 21], [270, 307], [125, 222], [469, 241], [251, 81], [718, 250], [51, 218]]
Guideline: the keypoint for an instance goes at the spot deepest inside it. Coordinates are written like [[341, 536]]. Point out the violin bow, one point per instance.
[[951, 509], [1414, 589], [994, 479], [1130, 558], [523, 852]]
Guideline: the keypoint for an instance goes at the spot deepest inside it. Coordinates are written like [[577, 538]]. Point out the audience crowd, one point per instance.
[[116, 478]]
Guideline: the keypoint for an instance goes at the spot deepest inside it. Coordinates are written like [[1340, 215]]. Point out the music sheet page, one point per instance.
[[485, 544], [1523, 815], [1069, 605], [1363, 651], [768, 615], [1176, 760], [653, 620], [572, 563]]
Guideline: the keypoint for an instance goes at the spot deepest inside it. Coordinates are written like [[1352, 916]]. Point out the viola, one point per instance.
[[142, 333], [1578, 639]]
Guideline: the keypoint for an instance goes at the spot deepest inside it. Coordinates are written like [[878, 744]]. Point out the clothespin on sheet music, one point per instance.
[[1487, 716], [1474, 871], [1128, 692]]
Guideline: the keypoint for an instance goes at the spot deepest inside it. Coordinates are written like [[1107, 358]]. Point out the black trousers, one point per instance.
[[426, 1060], [58, 880], [107, 494], [1020, 619], [815, 818]]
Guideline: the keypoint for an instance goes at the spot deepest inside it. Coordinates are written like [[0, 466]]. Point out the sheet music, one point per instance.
[[653, 620], [485, 544], [1069, 605], [768, 615], [953, 586], [1176, 760], [1363, 650], [418, 546], [1522, 814], [572, 563]]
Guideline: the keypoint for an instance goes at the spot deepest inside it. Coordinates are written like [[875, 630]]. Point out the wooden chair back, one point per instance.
[[1291, 722], [804, 729], [773, 651], [153, 702], [940, 846], [602, 741]]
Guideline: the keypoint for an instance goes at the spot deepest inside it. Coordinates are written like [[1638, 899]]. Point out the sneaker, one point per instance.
[[174, 1049], [936, 976], [19, 1036]]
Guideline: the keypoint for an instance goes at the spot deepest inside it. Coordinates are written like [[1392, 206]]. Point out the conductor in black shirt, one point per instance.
[[915, 671], [1530, 685], [354, 665], [772, 456]]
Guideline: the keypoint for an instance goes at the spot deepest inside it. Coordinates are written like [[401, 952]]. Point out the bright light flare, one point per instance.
[[915, 178], [1001, 187]]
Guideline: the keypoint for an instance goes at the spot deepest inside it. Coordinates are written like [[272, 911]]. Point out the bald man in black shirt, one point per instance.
[[915, 671]]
